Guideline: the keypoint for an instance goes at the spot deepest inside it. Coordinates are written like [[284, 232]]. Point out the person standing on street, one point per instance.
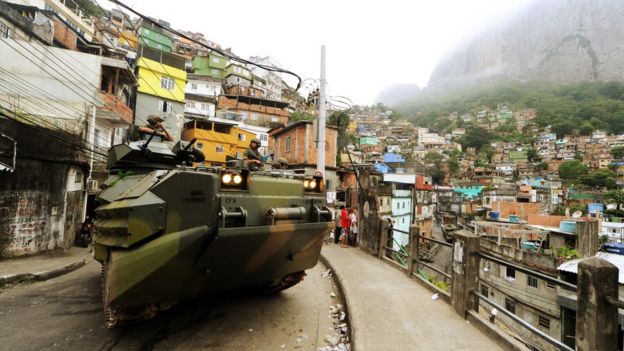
[[353, 230], [345, 223], [338, 229]]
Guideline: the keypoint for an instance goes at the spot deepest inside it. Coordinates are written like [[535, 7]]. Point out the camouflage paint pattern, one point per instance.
[[178, 233]]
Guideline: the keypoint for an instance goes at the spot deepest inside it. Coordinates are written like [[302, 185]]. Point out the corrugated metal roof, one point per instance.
[[615, 259]]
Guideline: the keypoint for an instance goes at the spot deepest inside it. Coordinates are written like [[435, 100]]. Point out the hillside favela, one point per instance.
[[323, 176]]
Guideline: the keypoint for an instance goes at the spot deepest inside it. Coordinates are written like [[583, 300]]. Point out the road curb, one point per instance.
[[346, 291], [43, 275]]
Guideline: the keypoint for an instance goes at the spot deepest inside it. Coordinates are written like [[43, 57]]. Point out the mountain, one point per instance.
[[561, 41], [396, 93]]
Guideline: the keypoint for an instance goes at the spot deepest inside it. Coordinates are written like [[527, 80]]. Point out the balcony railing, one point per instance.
[[115, 109]]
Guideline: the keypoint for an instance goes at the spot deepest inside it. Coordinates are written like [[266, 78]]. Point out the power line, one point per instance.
[[221, 52], [41, 105], [16, 117]]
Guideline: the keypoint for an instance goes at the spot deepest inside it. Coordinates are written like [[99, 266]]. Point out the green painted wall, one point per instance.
[[155, 40]]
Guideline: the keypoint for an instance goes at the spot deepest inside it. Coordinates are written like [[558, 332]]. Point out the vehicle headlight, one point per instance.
[[312, 184], [237, 179], [306, 183], [226, 178]]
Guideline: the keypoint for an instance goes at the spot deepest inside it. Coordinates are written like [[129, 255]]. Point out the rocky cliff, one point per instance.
[[563, 41]]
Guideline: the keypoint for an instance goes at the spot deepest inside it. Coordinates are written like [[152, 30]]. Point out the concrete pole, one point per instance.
[[596, 318], [413, 248], [91, 140], [465, 272], [320, 151], [383, 238]]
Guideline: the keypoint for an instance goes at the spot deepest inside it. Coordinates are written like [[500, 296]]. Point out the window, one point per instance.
[[78, 177], [204, 107], [215, 72], [510, 274], [550, 285], [193, 86], [485, 291], [215, 60], [403, 205], [264, 137], [242, 137], [167, 83], [97, 136], [543, 322], [199, 145], [287, 141], [531, 281], [254, 116], [189, 105], [237, 69], [510, 305], [4, 30], [164, 106], [219, 149]]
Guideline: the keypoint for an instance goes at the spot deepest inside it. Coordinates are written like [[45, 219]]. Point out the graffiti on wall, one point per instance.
[[23, 220]]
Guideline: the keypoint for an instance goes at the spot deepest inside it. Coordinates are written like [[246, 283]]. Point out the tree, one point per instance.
[[571, 170], [453, 167], [602, 178], [433, 158], [586, 129], [616, 197], [562, 127], [542, 166], [618, 152], [475, 137], [532, 155]]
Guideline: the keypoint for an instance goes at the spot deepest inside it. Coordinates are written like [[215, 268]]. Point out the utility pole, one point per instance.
[[320, 144]]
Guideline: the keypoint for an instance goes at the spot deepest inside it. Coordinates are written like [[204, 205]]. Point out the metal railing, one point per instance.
[[408, 258], [523, 323], [397, 257], [549, 279]]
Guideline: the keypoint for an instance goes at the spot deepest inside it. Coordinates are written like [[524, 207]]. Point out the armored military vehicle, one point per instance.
[[167, 231]]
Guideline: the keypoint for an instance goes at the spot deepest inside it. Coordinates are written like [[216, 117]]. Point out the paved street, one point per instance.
[[66, 314]]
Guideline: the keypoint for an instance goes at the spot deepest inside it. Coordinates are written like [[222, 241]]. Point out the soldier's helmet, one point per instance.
[[255, 140]]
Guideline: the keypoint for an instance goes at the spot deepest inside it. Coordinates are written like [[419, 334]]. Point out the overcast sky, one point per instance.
[[370, 45]]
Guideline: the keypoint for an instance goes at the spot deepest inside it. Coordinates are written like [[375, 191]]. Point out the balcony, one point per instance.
[[115, 110]]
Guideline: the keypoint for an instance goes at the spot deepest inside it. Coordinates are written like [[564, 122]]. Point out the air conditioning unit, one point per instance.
[[93, 185]]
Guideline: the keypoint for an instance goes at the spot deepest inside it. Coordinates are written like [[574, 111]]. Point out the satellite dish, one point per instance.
[[577, 214]]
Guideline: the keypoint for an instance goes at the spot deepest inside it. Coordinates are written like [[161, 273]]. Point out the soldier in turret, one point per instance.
[[252, 155]]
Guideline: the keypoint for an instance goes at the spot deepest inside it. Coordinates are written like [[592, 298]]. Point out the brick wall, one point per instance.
[[522, 209]]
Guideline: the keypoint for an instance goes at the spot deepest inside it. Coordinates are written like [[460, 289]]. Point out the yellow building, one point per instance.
[[161, 80], [128, 38], [217, 140]]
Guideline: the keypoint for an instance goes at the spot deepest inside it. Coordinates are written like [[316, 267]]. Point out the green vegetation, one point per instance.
[[581, 108], [88, 6], [572, 170], [433, 161], [602, 178], [440, 284], [618, 152], [567, 253], [615, 197]]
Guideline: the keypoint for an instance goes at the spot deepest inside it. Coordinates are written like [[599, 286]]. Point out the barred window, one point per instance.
[[543, 322], [4, 30], [532, 281]]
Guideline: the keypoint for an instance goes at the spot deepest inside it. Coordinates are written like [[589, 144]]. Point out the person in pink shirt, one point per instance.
[[345, 222]]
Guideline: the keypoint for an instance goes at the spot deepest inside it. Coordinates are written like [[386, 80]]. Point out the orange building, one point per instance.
[[296, 143]]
